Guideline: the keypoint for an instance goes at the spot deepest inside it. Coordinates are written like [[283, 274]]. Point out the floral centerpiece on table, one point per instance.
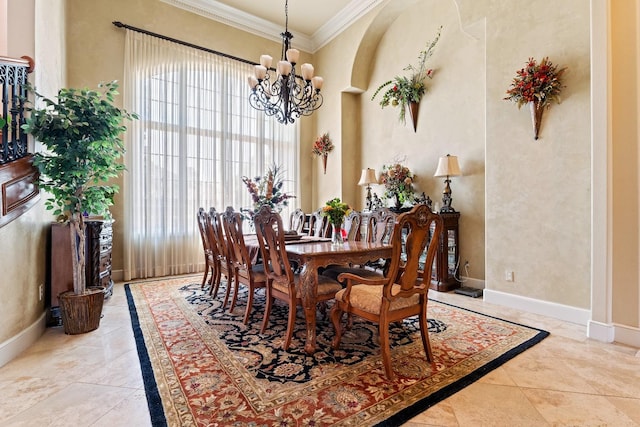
[[537, 85], [335, 210], [267, 190], [398, 184], [403, 90]]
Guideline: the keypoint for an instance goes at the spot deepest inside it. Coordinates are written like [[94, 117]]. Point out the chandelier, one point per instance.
[[284, 94]]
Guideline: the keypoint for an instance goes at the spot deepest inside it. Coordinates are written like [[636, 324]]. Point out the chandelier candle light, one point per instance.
[[447, 166], [285, 95]]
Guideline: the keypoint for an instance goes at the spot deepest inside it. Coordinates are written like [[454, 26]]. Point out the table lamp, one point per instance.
[[447, 166], [367, 178]]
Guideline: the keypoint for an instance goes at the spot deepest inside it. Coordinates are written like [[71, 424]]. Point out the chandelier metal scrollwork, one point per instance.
[[279, 91]]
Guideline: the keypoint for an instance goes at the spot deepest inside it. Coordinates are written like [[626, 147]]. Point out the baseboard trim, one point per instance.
[[20, 342], [600, 331], [118, 275], [567, 313], [627, 335]]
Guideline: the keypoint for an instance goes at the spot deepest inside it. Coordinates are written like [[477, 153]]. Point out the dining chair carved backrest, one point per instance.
[[401, 293], [216, 234], [210, 259], [319, 225], [351, 225], [380, 230], [380, 225], [245, 271], [283, 281], [296, 220]]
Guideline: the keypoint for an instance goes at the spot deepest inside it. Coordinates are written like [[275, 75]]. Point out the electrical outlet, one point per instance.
[[508, 275], [466, 264], [40, 292]]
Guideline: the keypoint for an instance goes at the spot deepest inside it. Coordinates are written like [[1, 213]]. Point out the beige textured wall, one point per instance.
[[370, 54], [538, 192], [23, 241], [463, 114]]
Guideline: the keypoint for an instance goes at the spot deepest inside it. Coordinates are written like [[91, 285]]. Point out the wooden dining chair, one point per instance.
[[319, 225], [283, 281], [224, 267], [245, 271], [210, 264], [296, 221], [402, 292]]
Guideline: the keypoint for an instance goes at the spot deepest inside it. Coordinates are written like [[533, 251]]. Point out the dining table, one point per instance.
[[311, 253]]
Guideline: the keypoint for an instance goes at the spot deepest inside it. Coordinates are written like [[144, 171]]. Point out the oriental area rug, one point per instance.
[[203, 367]]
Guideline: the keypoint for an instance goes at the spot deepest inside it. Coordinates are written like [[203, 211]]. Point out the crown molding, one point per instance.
[[244, 21], [342, 20]]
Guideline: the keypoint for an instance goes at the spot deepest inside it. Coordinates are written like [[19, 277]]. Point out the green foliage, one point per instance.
[[335, 210], [81, 132], [402, 90]]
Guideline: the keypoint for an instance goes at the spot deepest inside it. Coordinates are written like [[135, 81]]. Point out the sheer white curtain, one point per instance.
[[195, 139]]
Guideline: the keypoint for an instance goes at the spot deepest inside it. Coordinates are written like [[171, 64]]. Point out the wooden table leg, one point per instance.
[[308, 293]]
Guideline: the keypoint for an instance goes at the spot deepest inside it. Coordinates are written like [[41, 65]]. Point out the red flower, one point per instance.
[[541, 83]]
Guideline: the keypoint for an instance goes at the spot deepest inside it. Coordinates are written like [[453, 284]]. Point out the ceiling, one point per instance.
[[313, 23]]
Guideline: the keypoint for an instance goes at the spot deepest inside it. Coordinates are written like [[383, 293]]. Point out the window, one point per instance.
[[196, 137]]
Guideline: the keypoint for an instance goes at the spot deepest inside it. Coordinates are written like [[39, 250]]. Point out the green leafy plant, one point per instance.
[[406, 89], [80, 131]]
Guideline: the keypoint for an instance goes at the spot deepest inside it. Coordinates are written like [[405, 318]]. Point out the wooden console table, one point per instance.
[[97, 256]]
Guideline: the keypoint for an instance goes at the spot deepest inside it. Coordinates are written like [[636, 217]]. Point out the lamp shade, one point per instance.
[[448, 166], [368, 176]]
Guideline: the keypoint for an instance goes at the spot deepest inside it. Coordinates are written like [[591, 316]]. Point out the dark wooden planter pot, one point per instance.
[[81, 313]]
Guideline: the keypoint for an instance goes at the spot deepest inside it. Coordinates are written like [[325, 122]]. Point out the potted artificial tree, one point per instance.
[[80, 131]]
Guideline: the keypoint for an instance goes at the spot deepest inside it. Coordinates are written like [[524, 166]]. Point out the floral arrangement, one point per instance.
[[322, 145], [267, 190], [398, 183], [405, 90], [335, 210], [535, 82]]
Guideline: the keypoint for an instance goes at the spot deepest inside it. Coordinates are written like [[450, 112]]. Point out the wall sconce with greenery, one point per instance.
[[537, 85], [407, 91]]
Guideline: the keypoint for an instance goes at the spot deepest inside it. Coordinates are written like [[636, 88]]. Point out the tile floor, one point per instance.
[[566, 380]]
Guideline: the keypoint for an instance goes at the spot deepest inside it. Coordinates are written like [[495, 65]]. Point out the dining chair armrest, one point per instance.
[[351, 277]]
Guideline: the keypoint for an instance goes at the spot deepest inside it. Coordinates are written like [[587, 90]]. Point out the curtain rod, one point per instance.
[[171, 39]]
